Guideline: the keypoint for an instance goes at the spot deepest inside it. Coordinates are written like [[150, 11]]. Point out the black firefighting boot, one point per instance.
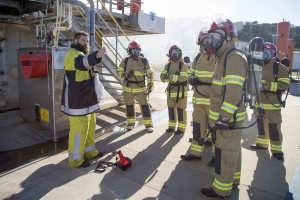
[[278, 156], [189, 157], [257, 146], [178, 132], [210, 193], [211, 162], [208, 143], [170, 130], [85, 164]]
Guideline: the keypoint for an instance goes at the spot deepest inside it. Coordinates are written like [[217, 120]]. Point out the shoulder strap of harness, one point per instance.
[[180, 66], [275, 70], [144, 61], [125, 63], [197, 57]]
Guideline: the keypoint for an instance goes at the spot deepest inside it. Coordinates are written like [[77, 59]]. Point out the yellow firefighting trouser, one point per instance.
[[82, 139], [227, 160], [177, 113], [200, 128], [269, 131], [130, 108]]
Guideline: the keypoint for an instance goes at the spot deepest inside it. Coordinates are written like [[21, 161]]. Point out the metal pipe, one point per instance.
[[92, 29], [86, 10]]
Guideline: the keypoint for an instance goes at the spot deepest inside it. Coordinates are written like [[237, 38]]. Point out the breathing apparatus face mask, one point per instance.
[[216, 40], [175, 54], [267, 55], [204, 44], [135, 53]]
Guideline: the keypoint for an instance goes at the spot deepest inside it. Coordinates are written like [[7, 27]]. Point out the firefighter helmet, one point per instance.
[[134, 49], [202, 39], [221, 31], [269, 51], [225, 25], [175, 52]]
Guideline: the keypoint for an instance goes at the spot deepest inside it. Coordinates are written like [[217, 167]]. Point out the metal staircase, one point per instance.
[[56, 24]]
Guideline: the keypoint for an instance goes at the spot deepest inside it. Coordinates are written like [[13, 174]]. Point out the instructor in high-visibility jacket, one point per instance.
[[275, 79], [200, 78], [79, 100], [227, 109]]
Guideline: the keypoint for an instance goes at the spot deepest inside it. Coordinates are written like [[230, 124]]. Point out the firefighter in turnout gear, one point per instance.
[[226, 110], [175, 73], [200, 78], [275, 80], [79, 100], [138, 78]]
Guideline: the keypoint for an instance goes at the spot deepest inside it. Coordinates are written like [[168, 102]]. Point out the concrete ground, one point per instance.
[[157, 172]]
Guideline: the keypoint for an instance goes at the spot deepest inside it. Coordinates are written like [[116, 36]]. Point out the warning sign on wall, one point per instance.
[[44, 115]]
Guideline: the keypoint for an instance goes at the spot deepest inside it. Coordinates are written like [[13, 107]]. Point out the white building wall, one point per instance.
[[296, 61]]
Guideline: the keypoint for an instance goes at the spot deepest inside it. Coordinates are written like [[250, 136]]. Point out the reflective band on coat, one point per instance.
[[218, 82], [229, 107], [203, 101], [233, 79], [213, 115], [86, 62]]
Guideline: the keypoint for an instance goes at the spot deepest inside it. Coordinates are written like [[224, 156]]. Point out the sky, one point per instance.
[[183, 21], [262, 11]]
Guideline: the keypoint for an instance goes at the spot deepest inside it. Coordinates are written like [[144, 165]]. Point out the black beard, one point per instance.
[[83, 48]]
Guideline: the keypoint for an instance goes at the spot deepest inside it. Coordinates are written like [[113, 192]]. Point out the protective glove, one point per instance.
[[150, 88], [193, 81], [130, 73], [222, 123], [177, 73]]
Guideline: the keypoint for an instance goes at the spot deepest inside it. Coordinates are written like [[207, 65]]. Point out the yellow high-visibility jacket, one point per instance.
[[143, 74], [227, 86], [272, 89], [203, 69]]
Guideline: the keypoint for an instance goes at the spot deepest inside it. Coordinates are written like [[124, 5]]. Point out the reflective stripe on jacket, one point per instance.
[[79, 96], [269, 99], [203, 69], [227, 86], [175, 79], [143, 75]]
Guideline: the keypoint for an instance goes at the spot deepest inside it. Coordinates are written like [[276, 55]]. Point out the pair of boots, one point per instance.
[[149, 128], [177, 132], [278, 156], [192, 157]]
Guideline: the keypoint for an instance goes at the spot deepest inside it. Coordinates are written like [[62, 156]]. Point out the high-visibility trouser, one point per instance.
[[82, 139], [200, 125], [227, 160], [177, 112], [130, 108], [269, 131]]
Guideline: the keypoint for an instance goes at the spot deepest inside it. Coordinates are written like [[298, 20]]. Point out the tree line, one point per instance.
[[248, 30]]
